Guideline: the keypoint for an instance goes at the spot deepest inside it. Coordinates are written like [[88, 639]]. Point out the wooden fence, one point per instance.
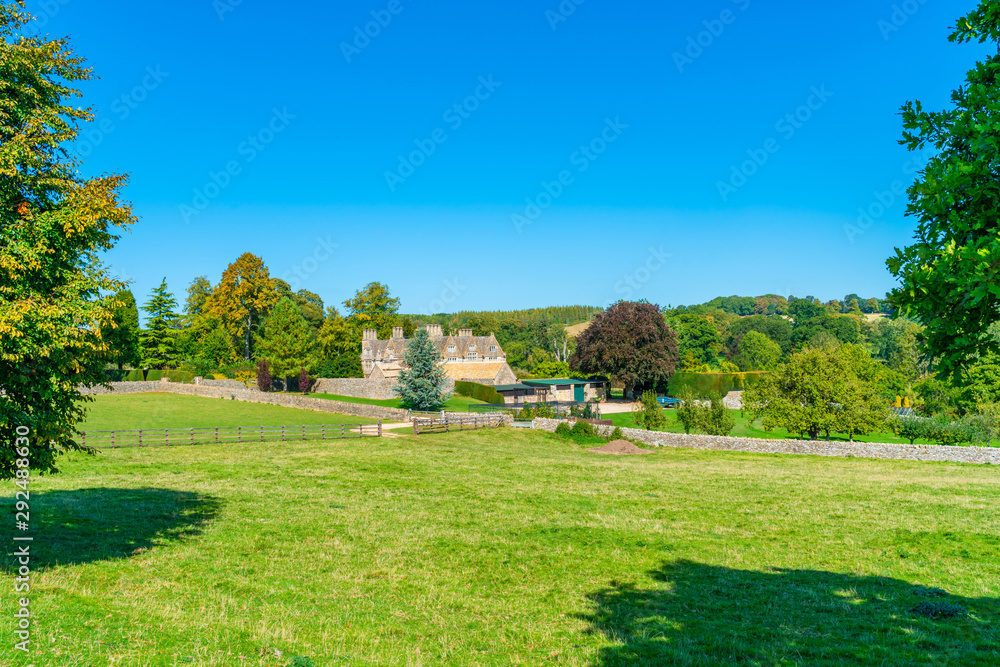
[[454, 422], [193, 436]]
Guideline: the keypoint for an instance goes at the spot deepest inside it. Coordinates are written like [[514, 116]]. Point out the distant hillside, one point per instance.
[[565, 315]]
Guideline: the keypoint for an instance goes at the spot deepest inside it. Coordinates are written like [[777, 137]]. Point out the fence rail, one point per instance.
[[454, 422], [199, 436]]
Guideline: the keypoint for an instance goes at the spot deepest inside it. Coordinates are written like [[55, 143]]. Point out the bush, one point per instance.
[[588, 411], [525, 413], [264, 376], [910, 428], [583, 428], [545, 411], [648, 412], [304, 381], [717, 419], [563, 429], [480, 392], [617, 434], [231, 370], [137, 375], [945, 432]]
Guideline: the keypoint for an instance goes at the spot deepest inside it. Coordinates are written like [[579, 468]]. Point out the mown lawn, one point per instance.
[[747, 429], [455, 404], [163, 410], [507, 547]]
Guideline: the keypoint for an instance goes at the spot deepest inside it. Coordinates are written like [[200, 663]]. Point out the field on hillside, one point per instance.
[[507, 547], [163, 410], [748, 429]]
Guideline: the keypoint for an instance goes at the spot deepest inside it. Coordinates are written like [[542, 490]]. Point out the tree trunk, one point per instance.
[[246, 352]]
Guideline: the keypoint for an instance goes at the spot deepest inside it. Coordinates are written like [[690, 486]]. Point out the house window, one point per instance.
[[452, 358], [471, 355], [451, 348], [493, 348]]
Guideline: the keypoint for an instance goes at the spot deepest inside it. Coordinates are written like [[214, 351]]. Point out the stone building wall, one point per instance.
[[254, 396], [814, 447]]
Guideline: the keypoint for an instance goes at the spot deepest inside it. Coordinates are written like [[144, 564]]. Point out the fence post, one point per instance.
[[343, 431], [192, 436], [140, 437], [282, 433], [446, 427], [380, 428], [262, 433], [303, 431], [112, 438], [216, 435], [324, 431], [415, 427], [166, 436]]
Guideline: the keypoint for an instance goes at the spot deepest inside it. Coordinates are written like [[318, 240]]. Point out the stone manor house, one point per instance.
[[466, 357]]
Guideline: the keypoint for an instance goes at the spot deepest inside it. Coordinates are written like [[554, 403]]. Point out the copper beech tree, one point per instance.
[[629, 342], [54, 291]]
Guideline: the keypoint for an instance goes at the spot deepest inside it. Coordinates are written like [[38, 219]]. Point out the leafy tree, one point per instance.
[[757, 352], [551, 369], [689, 413], [821, 390], [718, 420], [158, 339], [631, 343], [648, 413], [910, 428], [697, 335], [242, 298], [304, 381], [122, 338], [422, 383], [337, 336], [199, 292], [777, 329], [341, 366], [217, 347], [53, 227], [950, 276], [871, 306], [408, 328], [896, 344], [285, 339], [309, 303], [373, 307]]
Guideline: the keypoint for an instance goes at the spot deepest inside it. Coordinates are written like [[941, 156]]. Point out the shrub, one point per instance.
[[525, 413], [545, 411], [563, 429], [648, 412], [263, 376], [304, 381], [583, 428], [588, 411], [689, 412], [137, 375], [945, 432], [910, 428], [617, 434], [480, 392], [231, 370], [717, 419]]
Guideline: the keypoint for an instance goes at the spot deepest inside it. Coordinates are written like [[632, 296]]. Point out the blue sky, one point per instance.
[[515, 154]]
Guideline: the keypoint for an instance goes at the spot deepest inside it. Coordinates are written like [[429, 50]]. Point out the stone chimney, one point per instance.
[[369, 334], [465, 332], [397, 332], [434, 330]]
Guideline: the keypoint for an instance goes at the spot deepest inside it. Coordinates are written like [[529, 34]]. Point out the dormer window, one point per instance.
[[472, 346], [493, 348], [451, 348]]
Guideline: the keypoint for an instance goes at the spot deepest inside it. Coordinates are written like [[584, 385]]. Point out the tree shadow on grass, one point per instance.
[[697, 614], [86, 525]]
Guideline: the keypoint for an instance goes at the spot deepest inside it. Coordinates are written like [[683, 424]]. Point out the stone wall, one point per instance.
[[254, 396], [211, 382], [813, 447]]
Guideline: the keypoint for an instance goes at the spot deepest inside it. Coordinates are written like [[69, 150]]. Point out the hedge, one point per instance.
[[173, 376], [481, 392], [703, 384]]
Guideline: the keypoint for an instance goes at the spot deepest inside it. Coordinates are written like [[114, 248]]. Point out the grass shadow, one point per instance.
[[87, 525], [695, 614]]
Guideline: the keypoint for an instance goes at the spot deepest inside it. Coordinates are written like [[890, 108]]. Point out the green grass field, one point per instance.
[[503, 548], [163, 410], [747, 429], [455, 404]]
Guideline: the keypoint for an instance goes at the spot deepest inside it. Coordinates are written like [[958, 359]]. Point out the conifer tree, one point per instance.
[[285, 340], [422, 384], [158, 344]]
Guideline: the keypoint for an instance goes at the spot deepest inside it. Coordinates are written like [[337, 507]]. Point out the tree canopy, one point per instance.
[[950, 275], [285, 340], [422, 384], [631, 343], [243, 297], [54, 224]]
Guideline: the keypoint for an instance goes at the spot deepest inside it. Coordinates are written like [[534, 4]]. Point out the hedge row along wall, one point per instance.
[[703, 384], [140, 375], [478, 391]]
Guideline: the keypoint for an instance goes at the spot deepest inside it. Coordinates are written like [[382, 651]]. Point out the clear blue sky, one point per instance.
[[310, 129]]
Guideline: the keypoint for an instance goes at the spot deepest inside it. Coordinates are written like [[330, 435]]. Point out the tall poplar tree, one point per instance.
[[54, 303]]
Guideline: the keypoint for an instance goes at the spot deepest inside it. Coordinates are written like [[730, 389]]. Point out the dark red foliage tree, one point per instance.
[[629, 342], [304, 380], [263, 375]]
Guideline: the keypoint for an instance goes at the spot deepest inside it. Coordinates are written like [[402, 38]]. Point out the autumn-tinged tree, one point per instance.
[[53, 227], [950, 276], [242, 298], [629, 342], [123, 338], [373, 307], [285, 340]]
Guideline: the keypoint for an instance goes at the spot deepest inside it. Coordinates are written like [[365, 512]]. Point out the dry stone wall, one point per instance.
[[868, 450], [382, 390], [254, 396]]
